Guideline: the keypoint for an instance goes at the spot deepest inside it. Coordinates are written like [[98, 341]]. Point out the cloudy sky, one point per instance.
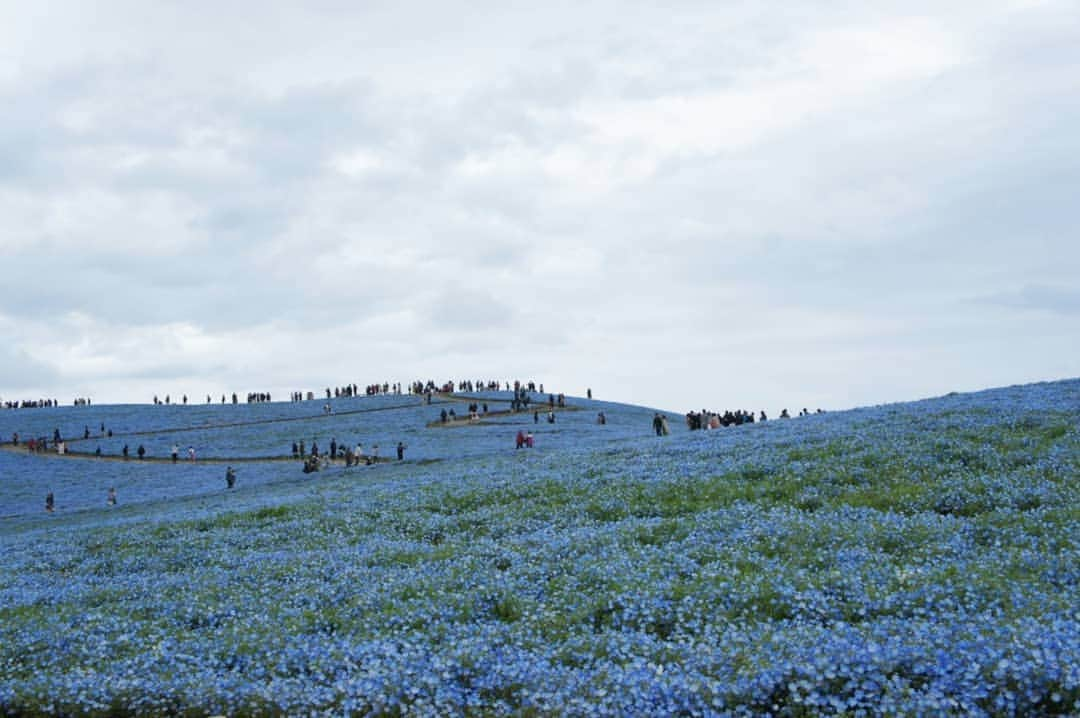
[[680, 204]]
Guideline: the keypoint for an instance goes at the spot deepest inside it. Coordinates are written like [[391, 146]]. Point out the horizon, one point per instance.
[[319, 395]]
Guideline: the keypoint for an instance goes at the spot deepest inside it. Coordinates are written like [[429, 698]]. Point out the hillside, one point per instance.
[[909, 558]]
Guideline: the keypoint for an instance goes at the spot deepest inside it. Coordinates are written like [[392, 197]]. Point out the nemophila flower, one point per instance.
[[910, 559]]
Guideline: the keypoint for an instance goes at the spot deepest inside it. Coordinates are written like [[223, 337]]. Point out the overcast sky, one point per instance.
[[682, 205]]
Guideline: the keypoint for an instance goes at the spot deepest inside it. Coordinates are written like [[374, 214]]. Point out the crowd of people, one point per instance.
[[32, 404], [705, 419], [314, 460]]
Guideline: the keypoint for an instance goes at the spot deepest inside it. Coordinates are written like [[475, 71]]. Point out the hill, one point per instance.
[[910, 558]]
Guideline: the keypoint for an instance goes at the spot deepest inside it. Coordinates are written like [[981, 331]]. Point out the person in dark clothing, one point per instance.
[[141, 451], [230, 477], [400, 451], [49, 502], [658, 424], [125, 451]]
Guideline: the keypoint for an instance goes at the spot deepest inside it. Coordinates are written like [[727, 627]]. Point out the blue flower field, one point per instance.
[[908, 559]]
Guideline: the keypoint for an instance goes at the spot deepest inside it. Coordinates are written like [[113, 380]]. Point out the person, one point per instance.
[[295, 450], [536, 417], [588, 393], [601, 419], [784, 414], [97, 451], [529, 439], [664, 428], [400, 451], [520, 440], [191, 453], [125, 451], [333, 447], [657, 424], [49, 504], [111, 500], [551, 417], [175, 453], [230, 477], [141, 451], [374, 453]]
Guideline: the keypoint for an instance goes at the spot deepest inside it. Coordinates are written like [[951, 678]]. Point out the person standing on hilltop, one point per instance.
[[657, 424]]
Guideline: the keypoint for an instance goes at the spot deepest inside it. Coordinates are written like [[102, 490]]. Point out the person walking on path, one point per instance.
[[400, 451], [175, 452]]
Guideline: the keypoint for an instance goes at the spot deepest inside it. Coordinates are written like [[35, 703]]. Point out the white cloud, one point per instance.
[[687, 201]]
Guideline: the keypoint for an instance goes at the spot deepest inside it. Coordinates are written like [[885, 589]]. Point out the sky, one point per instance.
[[683, 205]]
